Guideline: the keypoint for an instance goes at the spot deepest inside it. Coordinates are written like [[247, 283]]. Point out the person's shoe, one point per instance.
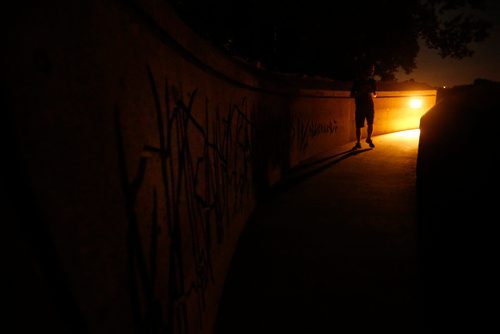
[[370, 143], [358, 145]]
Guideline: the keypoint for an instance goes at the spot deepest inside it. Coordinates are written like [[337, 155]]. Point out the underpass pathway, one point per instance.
[[333, 249]]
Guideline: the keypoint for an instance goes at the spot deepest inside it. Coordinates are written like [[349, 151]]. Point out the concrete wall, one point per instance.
[[394, 112], [136, 153], [324, 119], [457, 173]]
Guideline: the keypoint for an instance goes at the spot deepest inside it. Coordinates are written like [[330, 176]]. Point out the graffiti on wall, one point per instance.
[[204, 167], [304, 130]]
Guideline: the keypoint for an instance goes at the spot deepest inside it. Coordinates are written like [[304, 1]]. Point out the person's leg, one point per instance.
[[358, 138], [369, 131], [359, 122]]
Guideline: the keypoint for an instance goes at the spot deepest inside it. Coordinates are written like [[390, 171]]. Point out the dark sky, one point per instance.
[[484, 64]]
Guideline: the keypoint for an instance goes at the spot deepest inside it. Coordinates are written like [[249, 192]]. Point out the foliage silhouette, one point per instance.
[[332, 38]]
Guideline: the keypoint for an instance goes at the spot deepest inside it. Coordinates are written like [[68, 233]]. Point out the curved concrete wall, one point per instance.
[[137, 153]]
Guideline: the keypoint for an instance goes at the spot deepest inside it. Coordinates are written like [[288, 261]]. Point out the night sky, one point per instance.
[[484, 64]]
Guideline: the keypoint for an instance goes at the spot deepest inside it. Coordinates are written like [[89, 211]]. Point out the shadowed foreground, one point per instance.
[[457, 194], [333, 249]]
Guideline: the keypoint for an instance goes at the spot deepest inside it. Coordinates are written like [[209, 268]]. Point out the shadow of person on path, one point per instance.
[[306, 170]]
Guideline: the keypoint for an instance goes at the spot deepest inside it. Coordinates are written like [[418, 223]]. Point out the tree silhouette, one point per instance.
[[330, 38]]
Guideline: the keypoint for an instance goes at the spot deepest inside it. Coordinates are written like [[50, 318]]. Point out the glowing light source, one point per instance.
[[414, 133], [415, 103]]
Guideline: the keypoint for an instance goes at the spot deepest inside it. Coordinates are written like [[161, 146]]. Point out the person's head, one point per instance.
[[367, 70]]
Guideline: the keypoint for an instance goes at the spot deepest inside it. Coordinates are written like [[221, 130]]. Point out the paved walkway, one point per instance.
[[333, 252]]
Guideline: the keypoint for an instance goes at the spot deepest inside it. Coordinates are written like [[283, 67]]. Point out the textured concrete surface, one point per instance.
[[457, 194], [333, 249]]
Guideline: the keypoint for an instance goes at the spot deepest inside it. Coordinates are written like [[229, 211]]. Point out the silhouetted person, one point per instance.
[[363, 90]]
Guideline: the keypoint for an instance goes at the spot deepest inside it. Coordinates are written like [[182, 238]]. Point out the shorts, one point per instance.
[[363, 115]]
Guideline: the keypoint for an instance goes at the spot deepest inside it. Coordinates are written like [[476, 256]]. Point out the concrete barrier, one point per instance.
[[457, 181]]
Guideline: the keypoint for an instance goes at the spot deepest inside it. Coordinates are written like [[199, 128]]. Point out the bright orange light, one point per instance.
[[414, 133], [415, 103]]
